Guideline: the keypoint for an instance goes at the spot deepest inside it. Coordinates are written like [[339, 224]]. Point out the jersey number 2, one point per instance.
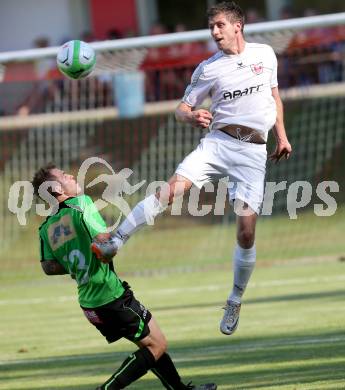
[[77, 260]]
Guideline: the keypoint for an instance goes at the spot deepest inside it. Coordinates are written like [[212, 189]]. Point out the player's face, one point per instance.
[[224, 32], [69, 185]]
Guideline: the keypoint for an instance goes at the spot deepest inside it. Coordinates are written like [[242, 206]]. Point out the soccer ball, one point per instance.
[[76, 59]]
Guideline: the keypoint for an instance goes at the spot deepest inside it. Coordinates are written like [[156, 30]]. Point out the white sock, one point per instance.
[[144, 213], [244, 263]]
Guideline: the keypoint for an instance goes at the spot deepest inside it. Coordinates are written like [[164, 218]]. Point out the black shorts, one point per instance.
[[124, 317]]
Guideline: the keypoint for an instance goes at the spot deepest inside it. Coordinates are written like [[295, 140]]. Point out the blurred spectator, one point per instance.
[[129, 34], [319, 53], [253, 16], [155, 53], [42, 88], [187, 48], [41, 42], [158, 28], [180, 56], [309, 12], [169, 68], [331, 62], [286, 12], [154, 56], [43, 66], [114, 33], [104, 81], [87, 36]]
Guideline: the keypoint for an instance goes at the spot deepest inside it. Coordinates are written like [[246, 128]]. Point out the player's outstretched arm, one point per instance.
[[53, 267], [283, 147], [197, 118]]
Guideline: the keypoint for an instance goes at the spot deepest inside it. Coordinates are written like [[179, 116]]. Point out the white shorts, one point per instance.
[[219, 155]]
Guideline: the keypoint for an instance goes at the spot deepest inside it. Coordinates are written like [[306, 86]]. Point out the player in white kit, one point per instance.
[[241, 81]]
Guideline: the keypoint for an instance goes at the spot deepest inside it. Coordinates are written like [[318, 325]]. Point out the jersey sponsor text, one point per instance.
[[239, 93]]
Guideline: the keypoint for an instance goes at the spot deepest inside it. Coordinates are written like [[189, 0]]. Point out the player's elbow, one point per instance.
[[52, 267], [46, 270]]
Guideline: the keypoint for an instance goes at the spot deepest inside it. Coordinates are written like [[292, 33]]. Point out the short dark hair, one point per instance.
[[230, 8], [42, 175]]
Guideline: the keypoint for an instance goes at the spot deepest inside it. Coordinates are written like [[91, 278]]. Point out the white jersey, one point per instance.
[[239, 86]]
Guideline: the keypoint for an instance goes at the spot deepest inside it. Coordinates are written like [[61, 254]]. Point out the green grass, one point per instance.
[[291, 333]]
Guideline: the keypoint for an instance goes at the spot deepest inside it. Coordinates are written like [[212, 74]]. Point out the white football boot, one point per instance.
[[229, 322]]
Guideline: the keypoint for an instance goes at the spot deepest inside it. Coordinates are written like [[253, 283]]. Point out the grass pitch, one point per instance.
[[291, 332]]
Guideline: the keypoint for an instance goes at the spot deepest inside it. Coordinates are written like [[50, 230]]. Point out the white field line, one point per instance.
[[173, 291], [37, 301], [201, 351]]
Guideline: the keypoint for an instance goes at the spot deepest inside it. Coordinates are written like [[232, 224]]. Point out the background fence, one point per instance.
[[78, 121]]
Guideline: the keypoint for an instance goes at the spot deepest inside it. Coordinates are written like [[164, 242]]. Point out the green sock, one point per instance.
[[133, 368], [166, 372]]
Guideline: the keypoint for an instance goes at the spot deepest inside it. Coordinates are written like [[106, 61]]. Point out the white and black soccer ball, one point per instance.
[[76, 59]]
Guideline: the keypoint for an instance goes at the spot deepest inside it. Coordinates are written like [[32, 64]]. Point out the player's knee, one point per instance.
[[159, 342], [246, 238], [177, 187], [163, 344], [158, 348]]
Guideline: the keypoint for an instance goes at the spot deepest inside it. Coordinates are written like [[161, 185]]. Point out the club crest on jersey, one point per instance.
[[240, 65], [257, 68]]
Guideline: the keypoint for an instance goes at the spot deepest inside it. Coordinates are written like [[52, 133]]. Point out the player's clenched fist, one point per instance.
[[201, 118]]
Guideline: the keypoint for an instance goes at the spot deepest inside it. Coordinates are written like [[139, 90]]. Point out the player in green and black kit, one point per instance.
[[107, 302]]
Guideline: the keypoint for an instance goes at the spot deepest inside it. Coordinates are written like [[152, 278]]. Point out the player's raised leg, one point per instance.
[[142, 214], [243, 263]]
